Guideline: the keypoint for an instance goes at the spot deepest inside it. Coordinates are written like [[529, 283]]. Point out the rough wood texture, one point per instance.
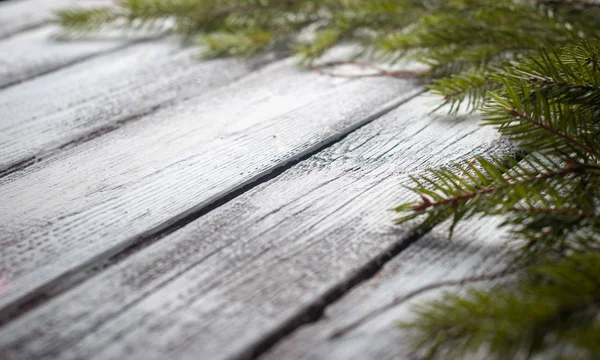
[[17, 16], [477, 248], [20, 15], [33, 53], [88, 203], [242, 275], [99, 94]]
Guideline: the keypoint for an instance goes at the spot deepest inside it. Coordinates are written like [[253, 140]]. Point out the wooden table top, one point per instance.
[[158, 206]]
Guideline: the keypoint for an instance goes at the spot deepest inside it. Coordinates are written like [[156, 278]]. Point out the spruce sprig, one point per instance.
[[449, 35], [550, 199], [551, 312], [531, 68]]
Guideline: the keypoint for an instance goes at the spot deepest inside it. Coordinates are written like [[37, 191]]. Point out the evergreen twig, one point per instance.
[[531, 68]]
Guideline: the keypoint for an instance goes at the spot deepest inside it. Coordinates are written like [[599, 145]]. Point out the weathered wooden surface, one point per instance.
[[33, 53], [18, 16], [99, 94], [96, 199], [256, 195], [246, 273], [21, 15], [26, 49], [349, 328]]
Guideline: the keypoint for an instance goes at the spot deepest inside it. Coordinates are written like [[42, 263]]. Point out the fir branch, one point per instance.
[[553, 131], [458, 88], [530, 67], [547, 103], [547, 314], [456, 194]]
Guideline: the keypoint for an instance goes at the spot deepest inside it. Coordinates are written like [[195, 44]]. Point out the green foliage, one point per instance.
[[548, 104], [547, 202], [531, 68], [552, 311], [449, 35]]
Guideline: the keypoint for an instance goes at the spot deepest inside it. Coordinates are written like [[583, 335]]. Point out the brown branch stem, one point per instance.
[[551, 130], [379, 72], [401, 299], [543, 176], [539, 237]]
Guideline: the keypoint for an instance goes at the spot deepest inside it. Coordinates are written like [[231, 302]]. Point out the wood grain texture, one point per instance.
[[33, 53], [221, 285], [477, 248], [92, 201], [41, 116]]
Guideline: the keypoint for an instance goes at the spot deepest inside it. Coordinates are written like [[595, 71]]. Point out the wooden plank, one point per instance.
[[90, 202], [34, 53], [17, 16], [354, 328], [239, 276], [41, 116]]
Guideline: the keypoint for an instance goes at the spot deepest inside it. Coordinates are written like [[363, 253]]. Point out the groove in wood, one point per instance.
[[23, 15], [477, 248], [217, 287], [88, 203], [85, 100], [34, 53]]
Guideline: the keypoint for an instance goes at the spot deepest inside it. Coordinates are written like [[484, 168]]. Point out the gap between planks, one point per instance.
[[69, 64], [85, 272], [30, 52], [33, 54], [23, 15], [354, 328], [312, 307], [263, 261], [101, 94], [92, 226]]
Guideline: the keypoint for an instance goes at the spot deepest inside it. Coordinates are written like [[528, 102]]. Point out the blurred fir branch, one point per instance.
[[449, 35], [530, 67]]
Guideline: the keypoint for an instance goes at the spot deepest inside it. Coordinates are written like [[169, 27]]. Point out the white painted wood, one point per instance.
[[33, 53], [477, 248], [20, 15], [60, 108], [220, 285], [92, 201]]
